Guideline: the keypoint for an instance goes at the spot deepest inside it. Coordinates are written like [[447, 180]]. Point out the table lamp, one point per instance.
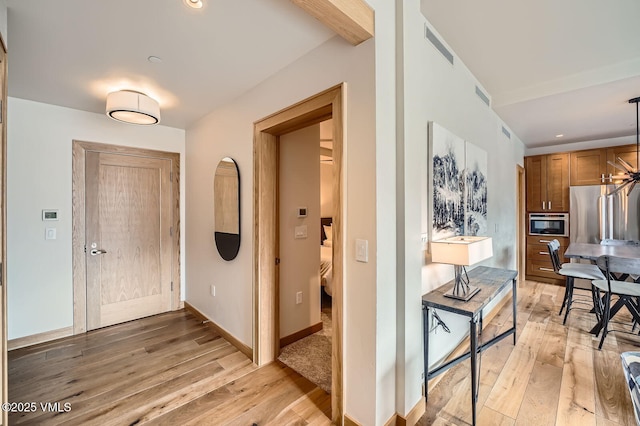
[[461, 251]]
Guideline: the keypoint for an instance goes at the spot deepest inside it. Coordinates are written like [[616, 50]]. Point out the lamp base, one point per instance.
[[464, 296]]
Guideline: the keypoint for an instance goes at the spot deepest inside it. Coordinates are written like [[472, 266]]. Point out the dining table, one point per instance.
[[592, 251]]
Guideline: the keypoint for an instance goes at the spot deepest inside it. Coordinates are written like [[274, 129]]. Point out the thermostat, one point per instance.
[[49, 214], [302, 212]]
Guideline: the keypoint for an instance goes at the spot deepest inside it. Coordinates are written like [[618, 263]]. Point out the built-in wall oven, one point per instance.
[[551, 224]]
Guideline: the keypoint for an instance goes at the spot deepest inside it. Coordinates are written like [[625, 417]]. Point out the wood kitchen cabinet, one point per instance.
[[588, 167], [548, 183], [539, 267], [627, 153]]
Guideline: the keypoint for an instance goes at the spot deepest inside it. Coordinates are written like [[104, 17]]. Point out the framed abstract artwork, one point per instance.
[[475, 211], [447, 183], [457, 185]]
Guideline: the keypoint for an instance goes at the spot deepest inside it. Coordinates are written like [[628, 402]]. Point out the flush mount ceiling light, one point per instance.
[[196, 4], [631, 175], [133, 107]]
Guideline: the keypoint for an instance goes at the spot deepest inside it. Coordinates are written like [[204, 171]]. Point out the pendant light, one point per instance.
[[133, 107], [631, 175]]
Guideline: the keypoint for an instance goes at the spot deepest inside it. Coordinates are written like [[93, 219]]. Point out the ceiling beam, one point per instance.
[[351, 19]]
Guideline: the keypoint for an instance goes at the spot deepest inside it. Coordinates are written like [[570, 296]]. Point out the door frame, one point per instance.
[[320, 107], [4, 385], [79, 260], [521, 229]]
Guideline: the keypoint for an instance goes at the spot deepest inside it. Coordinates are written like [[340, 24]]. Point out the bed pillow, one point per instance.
[[328, 231], [327, 243]]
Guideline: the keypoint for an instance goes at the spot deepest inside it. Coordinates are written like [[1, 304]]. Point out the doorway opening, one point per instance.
[[305, 241], [266, 342]]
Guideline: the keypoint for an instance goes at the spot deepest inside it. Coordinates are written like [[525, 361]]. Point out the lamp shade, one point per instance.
[[461, 250], [133, 107]]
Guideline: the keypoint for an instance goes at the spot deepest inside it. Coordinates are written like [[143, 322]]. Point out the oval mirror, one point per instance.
[[226, 208]]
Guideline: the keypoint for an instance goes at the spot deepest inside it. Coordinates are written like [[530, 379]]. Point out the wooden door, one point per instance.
[[128, 237], [557, 182], [536, 168]]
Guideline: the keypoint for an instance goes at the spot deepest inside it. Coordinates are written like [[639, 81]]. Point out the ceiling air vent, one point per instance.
[[482, 96], [438, 45], [506, 132]]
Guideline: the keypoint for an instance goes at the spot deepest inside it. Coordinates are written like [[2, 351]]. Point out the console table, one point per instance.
[[491, 282]]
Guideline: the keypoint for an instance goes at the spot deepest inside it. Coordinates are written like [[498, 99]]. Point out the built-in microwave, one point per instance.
[[552, 224]]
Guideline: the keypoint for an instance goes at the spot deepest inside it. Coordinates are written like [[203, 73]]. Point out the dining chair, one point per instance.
[[571, 271], [611, 242], [627, 291]]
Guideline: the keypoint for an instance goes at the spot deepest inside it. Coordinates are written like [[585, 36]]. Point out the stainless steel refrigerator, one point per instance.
[[594, 215]]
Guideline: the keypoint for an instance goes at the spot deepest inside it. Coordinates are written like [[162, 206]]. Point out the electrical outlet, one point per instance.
[[213, 290], [298, 298]]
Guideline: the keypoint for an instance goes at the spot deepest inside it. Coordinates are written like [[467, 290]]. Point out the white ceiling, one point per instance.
[[73, 52], [551, 67]]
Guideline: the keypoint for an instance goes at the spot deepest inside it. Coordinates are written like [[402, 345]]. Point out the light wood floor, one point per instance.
[[171, 369], [553, 376], [167, 369]]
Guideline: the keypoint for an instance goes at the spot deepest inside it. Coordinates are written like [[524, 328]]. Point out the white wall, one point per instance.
[[299, 186], [228, 131], [39, 142], [448, 98], [3, 22], [431, 89]]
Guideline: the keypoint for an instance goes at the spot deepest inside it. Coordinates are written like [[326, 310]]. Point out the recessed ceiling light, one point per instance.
[[196, 4], [560, 135], [154, 59]]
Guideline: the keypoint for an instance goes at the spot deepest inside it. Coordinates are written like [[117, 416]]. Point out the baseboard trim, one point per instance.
[[414, 415], [34, 339], [393, 421], [348, 421], [221, 331], [287, 340], [464, 344]]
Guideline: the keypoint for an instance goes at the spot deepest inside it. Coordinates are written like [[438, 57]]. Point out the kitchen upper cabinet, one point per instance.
[[588, 167], [627, 153], [548, 183]]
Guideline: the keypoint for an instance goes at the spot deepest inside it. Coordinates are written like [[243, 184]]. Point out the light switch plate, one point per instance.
[[362, 250], [50, 234], [300, 232]]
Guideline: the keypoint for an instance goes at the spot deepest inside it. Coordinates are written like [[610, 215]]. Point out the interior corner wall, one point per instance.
[[299, 186], [228, 131], [434, 90], [39, 165]]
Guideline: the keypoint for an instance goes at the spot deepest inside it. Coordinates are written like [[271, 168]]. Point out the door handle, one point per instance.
[[95, 252]]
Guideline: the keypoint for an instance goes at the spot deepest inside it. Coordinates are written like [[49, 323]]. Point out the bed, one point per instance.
[[326, 255]]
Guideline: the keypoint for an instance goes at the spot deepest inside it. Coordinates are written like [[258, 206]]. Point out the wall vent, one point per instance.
[[438, 45], [506, 132], [482, 96]]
